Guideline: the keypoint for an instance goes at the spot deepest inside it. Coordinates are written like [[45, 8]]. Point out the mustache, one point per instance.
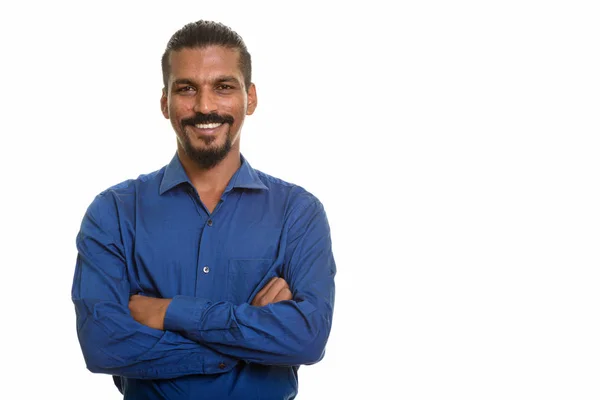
[[212, 118]]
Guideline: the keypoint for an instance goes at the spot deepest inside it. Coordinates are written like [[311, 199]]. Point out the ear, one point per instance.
[[164, 106], [252, 100]]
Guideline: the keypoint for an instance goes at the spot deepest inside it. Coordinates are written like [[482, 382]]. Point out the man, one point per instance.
[[206, 279]]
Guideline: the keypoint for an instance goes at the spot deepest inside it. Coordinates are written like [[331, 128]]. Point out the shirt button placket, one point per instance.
[[205, 259], [206, 268]]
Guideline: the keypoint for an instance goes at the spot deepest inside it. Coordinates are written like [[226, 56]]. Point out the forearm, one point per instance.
[[284, 333], [113, 343]]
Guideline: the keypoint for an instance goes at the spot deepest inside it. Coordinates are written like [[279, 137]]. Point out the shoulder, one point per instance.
[[295, 195], [129, 186], [299, 206], [124, 194]]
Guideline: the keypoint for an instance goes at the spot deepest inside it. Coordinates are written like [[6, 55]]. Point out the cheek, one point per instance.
[[233, 106], [239, 113], [175, 116], [179, 112], [181, 106]]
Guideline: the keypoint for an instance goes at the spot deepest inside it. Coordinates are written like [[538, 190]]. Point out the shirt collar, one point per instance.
[[245, 177]]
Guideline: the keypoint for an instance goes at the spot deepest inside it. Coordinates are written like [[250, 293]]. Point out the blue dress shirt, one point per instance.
[[153, 236]]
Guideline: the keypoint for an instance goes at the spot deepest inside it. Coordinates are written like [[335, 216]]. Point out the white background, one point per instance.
[[454, 145]]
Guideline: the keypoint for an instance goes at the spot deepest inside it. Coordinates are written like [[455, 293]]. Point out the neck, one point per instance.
[[215, 179]]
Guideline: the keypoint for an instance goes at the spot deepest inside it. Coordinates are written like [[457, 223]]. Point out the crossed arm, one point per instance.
[[151, 311], [287, 322]]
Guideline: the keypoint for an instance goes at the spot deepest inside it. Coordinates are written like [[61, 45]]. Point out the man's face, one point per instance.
[[206, 101]]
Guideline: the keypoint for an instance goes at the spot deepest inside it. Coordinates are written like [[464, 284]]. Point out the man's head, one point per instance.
[[201, 34], [207, 90]]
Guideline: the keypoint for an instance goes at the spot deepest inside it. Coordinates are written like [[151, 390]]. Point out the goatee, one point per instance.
[[209, 157]]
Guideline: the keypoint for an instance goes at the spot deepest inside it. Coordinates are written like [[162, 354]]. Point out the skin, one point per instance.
[[275, 290], [149, 311], [206, 80]]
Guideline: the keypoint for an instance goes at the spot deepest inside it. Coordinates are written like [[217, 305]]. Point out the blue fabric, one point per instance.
[[153, 236]]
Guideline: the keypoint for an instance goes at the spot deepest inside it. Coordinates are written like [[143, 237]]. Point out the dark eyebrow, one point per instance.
[[183, 82], [228, 78]]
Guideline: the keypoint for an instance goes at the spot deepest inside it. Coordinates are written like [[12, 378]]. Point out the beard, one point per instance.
[[210, 156]]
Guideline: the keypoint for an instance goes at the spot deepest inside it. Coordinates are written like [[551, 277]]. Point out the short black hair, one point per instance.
[[202, 34]]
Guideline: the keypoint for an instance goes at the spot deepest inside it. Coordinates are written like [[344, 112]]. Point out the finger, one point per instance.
[[284, 294], [270, 284], [277, 286], [263, 291]]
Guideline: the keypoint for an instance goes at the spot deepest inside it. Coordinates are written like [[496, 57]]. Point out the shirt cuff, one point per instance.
[[185, 313]]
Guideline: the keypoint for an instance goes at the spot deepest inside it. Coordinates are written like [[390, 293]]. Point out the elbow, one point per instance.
[[94, 348], [94, 367], [311, 342], [93, 364], [313, 350], [307, 355], [312, 355], [98, 362]]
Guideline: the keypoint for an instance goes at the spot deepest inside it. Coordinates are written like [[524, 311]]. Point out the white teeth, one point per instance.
[[207, 126]]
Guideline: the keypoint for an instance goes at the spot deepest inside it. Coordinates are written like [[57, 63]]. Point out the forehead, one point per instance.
[[207, 62]]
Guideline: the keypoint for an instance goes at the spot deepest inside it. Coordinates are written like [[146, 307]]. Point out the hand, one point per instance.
[[275, 290], [149, 311]]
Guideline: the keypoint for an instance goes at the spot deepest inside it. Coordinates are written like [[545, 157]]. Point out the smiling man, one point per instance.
[[206, 279]]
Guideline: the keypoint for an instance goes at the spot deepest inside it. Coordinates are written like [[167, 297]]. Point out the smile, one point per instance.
[[208, 126]]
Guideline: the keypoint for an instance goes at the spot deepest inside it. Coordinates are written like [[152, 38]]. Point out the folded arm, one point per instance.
[[290, 332], [112, 342]]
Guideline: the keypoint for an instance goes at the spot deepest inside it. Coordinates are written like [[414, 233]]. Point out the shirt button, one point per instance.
[[210, 223], [222, 366], [206, 270]]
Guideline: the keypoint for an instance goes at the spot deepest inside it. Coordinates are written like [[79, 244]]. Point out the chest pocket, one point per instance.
[[246, 277]]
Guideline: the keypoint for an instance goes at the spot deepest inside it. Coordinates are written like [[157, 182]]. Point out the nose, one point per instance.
[[205, 102]]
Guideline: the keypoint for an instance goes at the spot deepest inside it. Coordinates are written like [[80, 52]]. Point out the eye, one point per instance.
[[185, 89], [224, 87]]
